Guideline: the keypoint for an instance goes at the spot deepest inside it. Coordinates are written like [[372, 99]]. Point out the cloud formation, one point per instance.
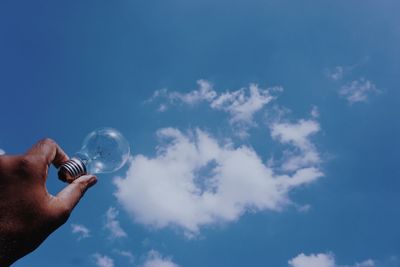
[[358, 90], [113, 225], [155, 259], [80, 230], [298, 136], [103, 260], [335, 74], [195, 180], [323, 260], [2, 152], [126, 254], [241, 104]]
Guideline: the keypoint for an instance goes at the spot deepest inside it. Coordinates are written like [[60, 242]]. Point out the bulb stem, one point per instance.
[[71, 170]]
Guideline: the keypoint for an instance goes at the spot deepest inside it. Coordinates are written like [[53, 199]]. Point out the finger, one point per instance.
[[71, 194], [50, 151]]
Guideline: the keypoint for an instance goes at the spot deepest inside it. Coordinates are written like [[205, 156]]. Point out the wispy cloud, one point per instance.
[[155, 259], [324, 260], [113, 225], [353, 90], [126, 254], [205, 92], [336, 74], [2, 152], [339, 72], [314, 112], [241, 104], [358, 90], [196, 180], [103, 260], [80, 230]]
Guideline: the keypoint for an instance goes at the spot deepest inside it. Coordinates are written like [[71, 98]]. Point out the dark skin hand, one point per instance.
[[28, 213]]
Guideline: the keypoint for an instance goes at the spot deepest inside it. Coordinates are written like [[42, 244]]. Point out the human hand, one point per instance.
[[28, 213]]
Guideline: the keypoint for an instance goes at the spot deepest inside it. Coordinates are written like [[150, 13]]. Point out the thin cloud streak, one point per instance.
[[113, 225], [241, 104], [80, 230]]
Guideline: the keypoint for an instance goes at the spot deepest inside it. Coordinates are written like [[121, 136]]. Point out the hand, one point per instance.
[[28, 213]]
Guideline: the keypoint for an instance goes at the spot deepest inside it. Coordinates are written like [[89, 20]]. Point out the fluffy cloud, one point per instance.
[[80, 230], [323, 260], [240, 104], [155, 259], [2, 152], [297, 135], [358, 90], [113, 225], [194, 180], [103, 260]]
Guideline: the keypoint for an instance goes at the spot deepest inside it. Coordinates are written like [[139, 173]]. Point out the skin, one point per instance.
[[28, 213]]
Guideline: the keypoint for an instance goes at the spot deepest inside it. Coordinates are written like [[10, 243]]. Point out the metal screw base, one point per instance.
[[71, 169]]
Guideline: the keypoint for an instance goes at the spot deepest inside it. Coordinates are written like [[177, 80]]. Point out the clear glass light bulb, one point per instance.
[[103, 150]]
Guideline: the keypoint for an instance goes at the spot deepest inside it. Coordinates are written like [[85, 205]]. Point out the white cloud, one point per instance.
[[339, 72], [358, 90], [103, 260], [2, 152], [367, 263], [240, 104], [80, 230], [314, 112], [155, 259], [336, 73], [323, 260], [113, 225], [126, 254], [194, 180], [205, 92], [313, 260], [297, 135], [304, 208]]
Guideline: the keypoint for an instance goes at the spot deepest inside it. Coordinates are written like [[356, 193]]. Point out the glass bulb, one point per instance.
[[104, 150]]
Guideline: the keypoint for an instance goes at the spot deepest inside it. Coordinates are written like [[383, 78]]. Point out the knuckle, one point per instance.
[[48, 141], [24, 164], [30, 166]]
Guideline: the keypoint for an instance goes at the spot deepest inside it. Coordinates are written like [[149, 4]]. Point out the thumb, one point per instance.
[[72, 193]]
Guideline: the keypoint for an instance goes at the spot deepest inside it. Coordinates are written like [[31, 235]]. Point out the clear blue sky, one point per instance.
[[69, 67]]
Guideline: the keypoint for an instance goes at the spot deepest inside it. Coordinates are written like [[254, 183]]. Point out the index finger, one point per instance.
[[50, 151]]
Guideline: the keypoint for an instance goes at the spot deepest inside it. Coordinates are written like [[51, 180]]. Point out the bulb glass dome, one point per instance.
[[104, 150]]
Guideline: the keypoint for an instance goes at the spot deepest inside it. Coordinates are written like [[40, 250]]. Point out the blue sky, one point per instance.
[[223, 102]]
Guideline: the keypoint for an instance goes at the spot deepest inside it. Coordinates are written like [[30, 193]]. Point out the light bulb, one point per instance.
[[103, 150]]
